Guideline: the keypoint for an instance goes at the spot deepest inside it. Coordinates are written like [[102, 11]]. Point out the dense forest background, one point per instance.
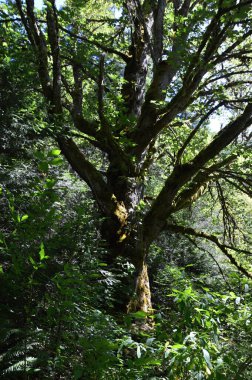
[[126, 211]]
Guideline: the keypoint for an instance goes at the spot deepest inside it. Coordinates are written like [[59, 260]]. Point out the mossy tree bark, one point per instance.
[[141, 300]]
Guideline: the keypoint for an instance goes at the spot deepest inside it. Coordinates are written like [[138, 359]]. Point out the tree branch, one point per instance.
[[194, 131], [135, 72], [224, 76], [146, 131], [182, 174], [38, 42], [223, 247], [89, 174], [158, 30], [53, 35], [213, 37], [104, 48], [212, 257], [199, 184], [102, 117]]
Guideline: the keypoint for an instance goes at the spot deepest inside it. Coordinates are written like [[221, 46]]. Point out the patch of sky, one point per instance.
[[217, 122], [40, 3]]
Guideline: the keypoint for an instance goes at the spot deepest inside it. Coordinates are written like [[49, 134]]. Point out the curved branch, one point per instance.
[[200, 181], [212, 257], [89, 174], [223, 247]]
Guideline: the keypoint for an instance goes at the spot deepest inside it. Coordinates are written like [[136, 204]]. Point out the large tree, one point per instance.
[[138, 82]]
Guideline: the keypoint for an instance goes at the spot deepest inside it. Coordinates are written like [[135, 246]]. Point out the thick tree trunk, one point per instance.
[[124, 240], [141, 300], [124, 235]]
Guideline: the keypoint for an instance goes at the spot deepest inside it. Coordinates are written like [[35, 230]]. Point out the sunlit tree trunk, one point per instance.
[[141, 299]]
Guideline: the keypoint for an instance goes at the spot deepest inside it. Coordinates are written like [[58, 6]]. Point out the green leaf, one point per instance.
[[24, 217], [177, 346], [139, 351], [103, 265], [42, 251], [43, 166], [57, 161], [50, 183], [207, 357], [34, 264], [238, 300], [128, 342], [54, 152], [246, 288], [39, 155], [139, 314], [149, 341], [42, 254]]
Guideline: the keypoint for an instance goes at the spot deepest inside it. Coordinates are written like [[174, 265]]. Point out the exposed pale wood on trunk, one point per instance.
[[141, 300]]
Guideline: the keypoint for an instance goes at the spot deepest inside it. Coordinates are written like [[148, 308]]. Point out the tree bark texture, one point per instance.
[[141, 300]]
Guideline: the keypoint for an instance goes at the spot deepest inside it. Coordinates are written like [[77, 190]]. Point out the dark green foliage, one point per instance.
[[49, 280]]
